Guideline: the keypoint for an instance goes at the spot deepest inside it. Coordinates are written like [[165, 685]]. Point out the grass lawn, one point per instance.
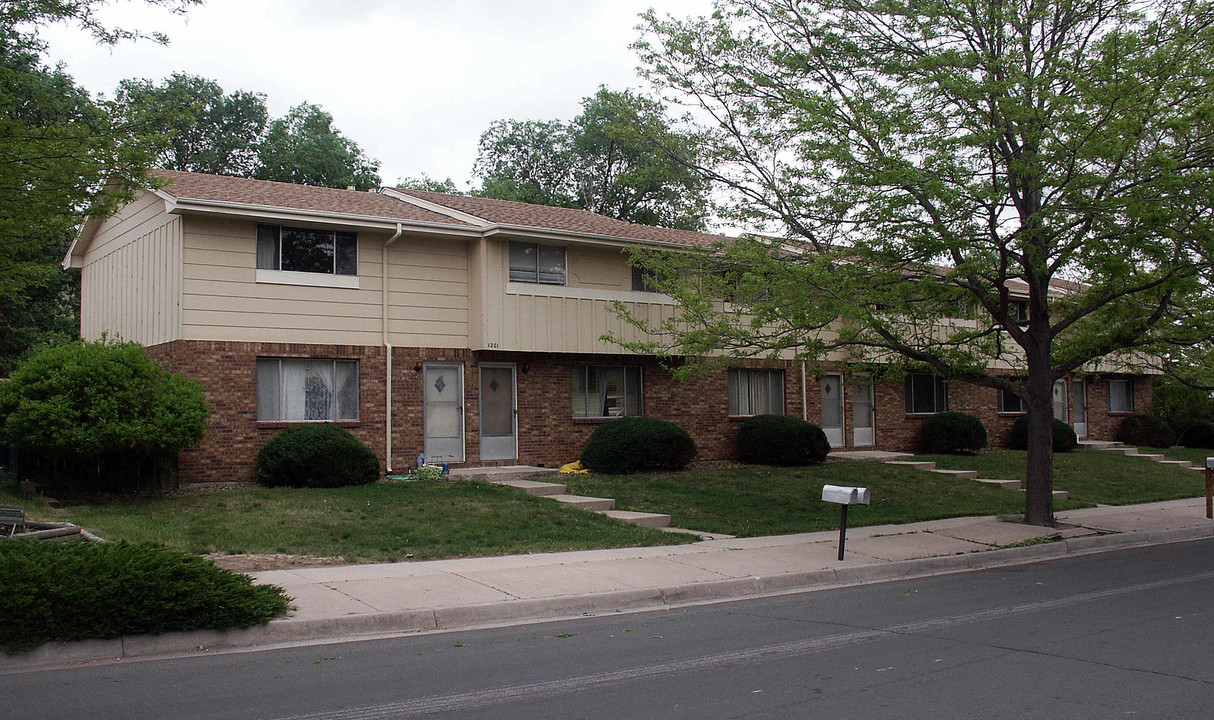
[[378, 523], [757, 500], [1090, 476]]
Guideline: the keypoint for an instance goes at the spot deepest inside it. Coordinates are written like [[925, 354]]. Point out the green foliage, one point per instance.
[[197, 128], [1064, 438], [781, 440], [1200, 434], [880, 141], [632, 444], [305, 148], [952, 433], [317, 455], [100, 407], [1180, 405], [617, 158], [430, 472], [1148, 430], [74, 591], [429, 184], [65, 156]]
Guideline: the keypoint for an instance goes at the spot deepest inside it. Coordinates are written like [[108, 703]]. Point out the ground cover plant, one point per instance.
[[1090, 476], [74, 591], [753, 501], [383, 522]]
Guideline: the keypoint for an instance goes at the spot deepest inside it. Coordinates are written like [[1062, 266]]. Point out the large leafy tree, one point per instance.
[[60, 149], [926, 164], [197, 127], [305, 148], [618, 158]]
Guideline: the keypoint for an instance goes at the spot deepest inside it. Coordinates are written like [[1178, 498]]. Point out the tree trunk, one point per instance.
[[1039, 478]]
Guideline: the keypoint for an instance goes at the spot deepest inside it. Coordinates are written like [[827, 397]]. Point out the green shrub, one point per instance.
[[781, 440], [952, 433], [316, 455], [1199, 435], [1064, 435], [74, 591], [632, 444], [99, 415], [1142, 429]]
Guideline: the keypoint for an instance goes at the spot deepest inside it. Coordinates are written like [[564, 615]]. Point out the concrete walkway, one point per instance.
[[365, 601]]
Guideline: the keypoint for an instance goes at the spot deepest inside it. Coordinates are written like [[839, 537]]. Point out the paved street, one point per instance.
[[1117, 634]]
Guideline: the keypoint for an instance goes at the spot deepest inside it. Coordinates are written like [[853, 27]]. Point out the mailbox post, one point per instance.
[[1210, 487], [845, 496]]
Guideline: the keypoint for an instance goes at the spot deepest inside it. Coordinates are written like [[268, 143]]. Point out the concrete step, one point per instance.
[[1009, 484], [913, 464], [965, 474], [651, 520], [1177, 463], [1098, 444], [534, 487], [1061, 495], [1121, 449], [581, 502], [1155, 457]]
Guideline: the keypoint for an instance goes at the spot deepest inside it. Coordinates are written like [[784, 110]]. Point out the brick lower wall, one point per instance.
[[547, 433]]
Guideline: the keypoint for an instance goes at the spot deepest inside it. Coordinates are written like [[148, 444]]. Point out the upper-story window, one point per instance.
[[535, 263], [308, 250], [643, 280], [1018, 311], [925, 394]]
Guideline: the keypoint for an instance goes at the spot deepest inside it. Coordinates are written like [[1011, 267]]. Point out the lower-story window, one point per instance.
[[606, 391], [756, 392], [925, 394], [307, 389], [1121, 396]]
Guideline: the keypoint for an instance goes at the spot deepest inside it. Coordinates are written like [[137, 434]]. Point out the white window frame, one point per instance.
[[632, 375], [740, 384], [939, 394], [1127, 392], [533, 276], [270, 382]]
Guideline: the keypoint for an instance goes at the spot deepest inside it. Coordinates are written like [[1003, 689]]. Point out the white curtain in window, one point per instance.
[[307, 387]]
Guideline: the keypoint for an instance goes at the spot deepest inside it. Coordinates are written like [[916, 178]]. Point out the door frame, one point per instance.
[[835, 432], [866, 380], [513, 367], [1079, 386]]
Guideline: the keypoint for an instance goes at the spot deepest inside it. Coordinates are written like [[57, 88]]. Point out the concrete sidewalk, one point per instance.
[[363, 601]]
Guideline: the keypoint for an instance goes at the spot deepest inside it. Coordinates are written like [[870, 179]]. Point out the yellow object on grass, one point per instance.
[[574, 468]]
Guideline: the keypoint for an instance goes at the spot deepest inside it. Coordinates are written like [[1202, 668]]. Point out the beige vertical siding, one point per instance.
[[545, 318], [131, 278], [222, 300]]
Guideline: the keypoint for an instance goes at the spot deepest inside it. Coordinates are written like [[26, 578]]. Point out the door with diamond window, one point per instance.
[[443, 398], [499, 413]]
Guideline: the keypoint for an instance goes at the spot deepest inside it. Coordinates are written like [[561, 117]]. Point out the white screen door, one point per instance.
[[1059, 400], [499, 431], [832, 409], [1079, 392], [862, 411], [443, 396]]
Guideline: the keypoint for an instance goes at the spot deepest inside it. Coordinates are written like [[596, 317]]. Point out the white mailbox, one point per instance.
[[1210, 463], [849, 495]]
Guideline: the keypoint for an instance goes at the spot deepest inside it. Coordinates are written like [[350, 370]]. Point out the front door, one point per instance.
[[1059, 400], [499, 413], [443, 408], [862, 411], [1079, 394], [832, 409]]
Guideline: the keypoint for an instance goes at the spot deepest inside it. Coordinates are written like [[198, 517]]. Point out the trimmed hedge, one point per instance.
[[317, 455], [781, 440], [633, 444], [1142, 429], [952, 433], [1065, 439], [75, 591], [1199, 435]]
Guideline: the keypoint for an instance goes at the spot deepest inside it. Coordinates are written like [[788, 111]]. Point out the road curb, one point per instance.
[[377, 625]]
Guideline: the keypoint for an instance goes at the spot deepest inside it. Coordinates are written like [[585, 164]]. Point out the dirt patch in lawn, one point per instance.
[[258, 563]]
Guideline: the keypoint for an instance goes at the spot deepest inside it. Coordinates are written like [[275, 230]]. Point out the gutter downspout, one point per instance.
[[387, 347]]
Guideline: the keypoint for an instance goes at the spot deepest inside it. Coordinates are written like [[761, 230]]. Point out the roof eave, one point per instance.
[[272, 212]]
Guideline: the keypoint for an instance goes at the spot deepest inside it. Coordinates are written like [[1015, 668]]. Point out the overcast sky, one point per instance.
[[414, 82]]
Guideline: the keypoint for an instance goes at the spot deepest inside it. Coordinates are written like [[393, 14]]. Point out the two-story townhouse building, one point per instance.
[[463, 328]]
